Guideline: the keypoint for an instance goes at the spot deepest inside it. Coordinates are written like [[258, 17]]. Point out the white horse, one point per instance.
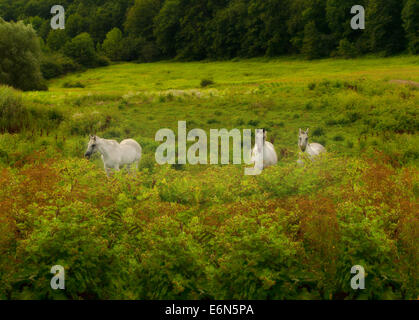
[[114, 154], [270, 157], [311, 149]]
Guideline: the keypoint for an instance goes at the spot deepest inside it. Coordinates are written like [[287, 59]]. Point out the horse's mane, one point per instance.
[[114, 142]]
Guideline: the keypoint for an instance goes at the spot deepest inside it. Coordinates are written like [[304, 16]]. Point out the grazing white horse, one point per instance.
[[114, 154], [270, 157], [311, 149]]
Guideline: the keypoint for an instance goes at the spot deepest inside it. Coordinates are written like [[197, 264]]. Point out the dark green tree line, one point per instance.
[[148, 30]]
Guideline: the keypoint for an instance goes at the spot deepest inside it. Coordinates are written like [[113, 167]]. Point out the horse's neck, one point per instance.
[[106, 148], [310, 151], [260, 147]]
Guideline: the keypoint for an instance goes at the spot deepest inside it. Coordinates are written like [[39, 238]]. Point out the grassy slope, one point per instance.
[[140, 99]]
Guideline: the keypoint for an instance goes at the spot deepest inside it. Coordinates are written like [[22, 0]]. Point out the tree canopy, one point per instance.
[[149, 30]]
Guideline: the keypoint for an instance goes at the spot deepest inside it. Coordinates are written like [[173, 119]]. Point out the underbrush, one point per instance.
[[54, 65], [290, 233]]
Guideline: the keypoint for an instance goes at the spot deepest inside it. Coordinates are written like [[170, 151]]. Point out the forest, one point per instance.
[[98, 32], [149, 30]]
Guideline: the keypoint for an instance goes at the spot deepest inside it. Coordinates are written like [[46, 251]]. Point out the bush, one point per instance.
[[318, 132], [206, 82], [347, 49], [131, 48], [88, 274], [112, 45], [101, 61], [77, 84], [55, 65], [13, 115], [57, 39], [20, 57], [82, 50], [290, 233]]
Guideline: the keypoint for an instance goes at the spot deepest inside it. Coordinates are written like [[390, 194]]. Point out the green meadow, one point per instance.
[[209, 231]]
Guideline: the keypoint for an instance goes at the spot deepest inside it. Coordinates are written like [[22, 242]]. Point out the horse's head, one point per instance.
[[264, 134], [303, 139], [91, 146], [261, 133], [260, 136]]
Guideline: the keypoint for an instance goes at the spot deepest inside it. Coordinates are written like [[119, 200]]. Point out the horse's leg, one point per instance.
[[106, 168]]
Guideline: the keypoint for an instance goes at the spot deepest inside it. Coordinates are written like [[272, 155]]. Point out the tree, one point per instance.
[[112, 45], [76, 24], [311, 42], [384, 26], [228, 31], [20, 57], [82, 50], [140, 18], [167, 25], [338, 15], [57, 39], [106, 17], [410, 16]]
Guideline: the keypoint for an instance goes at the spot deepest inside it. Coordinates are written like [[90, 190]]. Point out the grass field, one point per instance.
[[175, 232]]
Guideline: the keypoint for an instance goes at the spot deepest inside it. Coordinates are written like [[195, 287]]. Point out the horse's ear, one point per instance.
[[299, 130], [307, 130]]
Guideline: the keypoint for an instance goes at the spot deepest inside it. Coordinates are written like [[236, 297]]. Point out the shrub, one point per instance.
[[20, 57], [13, 115], [256, 260], [101, 61], [171, 262], [131, 47], [206, 82], [77, 227], [290, 233], [318, 132], [82, 50], [88, 123], [57, 39], [112, 45], [347, 49], [77, 84], [338, 138], [56, 64]]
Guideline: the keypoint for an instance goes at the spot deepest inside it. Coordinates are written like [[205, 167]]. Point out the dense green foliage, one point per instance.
[[411, 24], [128, 237], [82, 49], [175, 232], [19, 57], [13, 115], [112, 46], [223, 29]]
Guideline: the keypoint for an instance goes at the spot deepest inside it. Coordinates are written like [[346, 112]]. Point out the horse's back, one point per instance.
[[271, 157], [317, 148], [132, 144]]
